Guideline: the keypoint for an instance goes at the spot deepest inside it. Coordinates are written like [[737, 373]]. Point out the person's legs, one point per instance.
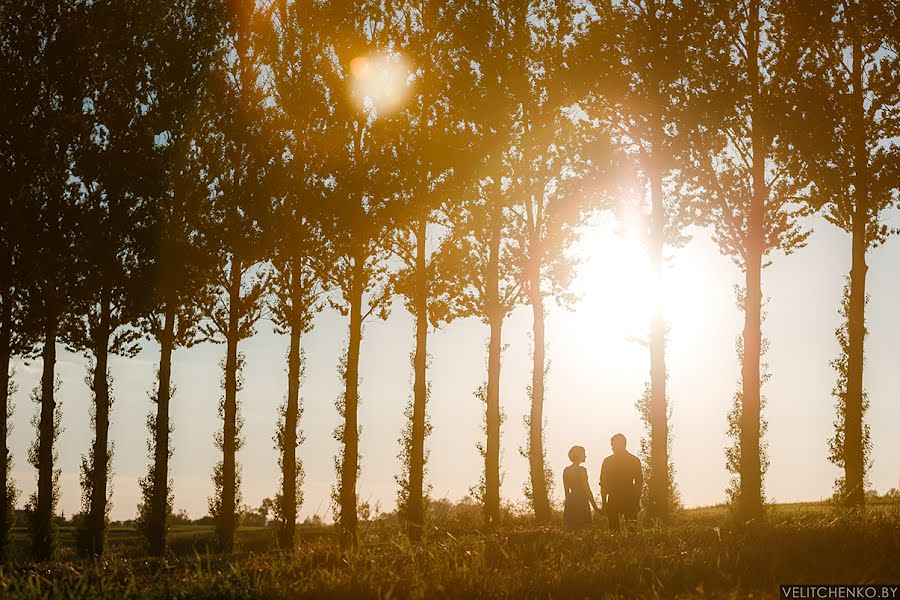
[[613, 517]]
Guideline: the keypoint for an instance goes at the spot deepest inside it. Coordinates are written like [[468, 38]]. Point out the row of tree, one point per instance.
[[178, 170]]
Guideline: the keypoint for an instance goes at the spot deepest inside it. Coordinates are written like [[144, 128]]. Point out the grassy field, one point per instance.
[[704, 553]]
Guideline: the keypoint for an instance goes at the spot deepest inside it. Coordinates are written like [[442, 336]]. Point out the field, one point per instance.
[[704, 553]]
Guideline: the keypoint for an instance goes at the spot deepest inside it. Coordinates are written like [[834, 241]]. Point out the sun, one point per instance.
[[614, 280], [619, 291], [380, 81]]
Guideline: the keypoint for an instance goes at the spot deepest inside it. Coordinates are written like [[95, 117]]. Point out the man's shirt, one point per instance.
[[621, 478]]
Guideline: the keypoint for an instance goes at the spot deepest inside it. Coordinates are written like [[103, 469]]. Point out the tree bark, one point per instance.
[[492, 446], [159, 505], [539, 498], [659, 486], [6, 509], [492, 422], [750, 504], [416, 500], [98, 501], [227, 522], [287, 531], [43, 540], [854, 445], [350, 463]]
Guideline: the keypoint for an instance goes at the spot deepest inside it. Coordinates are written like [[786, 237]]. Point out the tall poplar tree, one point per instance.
[[296, 53], [480, 260], [749, 199], [111, 163], [636, 61], [18, 90], [182, 45], [55, 122], [839, 68], [239, 154], [554, 145], [432, 139], [360, 174]]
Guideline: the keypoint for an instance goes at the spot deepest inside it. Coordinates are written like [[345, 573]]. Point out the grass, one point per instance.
[[703, 553]]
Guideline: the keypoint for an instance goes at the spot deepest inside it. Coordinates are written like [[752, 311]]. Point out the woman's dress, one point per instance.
[[577, 510]]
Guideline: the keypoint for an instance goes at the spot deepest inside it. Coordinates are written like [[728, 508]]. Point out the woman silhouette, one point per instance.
[[579, 499]]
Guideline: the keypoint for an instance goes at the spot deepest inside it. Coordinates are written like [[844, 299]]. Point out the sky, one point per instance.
[[597, 372]]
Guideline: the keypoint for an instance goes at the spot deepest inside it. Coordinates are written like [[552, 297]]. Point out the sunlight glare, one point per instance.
[[380, 80], [620, 293]]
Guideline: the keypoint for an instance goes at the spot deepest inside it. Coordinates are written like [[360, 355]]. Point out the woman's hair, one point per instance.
[[576, 453]]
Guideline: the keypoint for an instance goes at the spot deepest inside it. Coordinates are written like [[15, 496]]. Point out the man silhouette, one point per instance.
[[621, 480]]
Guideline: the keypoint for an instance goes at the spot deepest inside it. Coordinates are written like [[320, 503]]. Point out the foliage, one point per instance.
[[146, 483], [674, 496], [478, 490], [432, 133], [838, 67], [833, 121], [19, 87], [43, 533], [735, 415], [170, 167], [405, 453], [728, 144], [525, 452], [184, 41], [337, 507], [216, 508], [279, 508], [840, 365], [9, 490], [89, 466]]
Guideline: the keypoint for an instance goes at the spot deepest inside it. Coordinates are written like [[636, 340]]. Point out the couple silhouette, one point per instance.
[[621, 481]]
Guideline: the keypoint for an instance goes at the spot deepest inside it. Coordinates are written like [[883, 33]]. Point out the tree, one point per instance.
[[640, 54], [238, 153], [424, 34], [546, 159], [480, 259], [838, 65], [182, 46], [747, 196], [18, 90], [52, 124], [112, 217], [296, 55], [360, 174]]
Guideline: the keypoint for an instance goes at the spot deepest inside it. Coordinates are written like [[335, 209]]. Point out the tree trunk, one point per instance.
[[227, 522], [42, 528], [750, 503], [350, 464], [416, 499], [492, 446], [288, 527], [492, 421], [659, 486], [6, 508], [854, 445], [159, 505], [539, 498], [97, 516]]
